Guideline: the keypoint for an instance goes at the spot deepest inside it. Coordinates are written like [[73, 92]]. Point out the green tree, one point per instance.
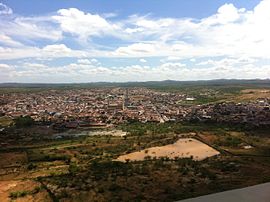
[[24, 121]]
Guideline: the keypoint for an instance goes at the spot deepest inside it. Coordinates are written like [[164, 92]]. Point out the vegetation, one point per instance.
[[18, 194], [24, 121], [23, 193], [67, 169], [5, 121]]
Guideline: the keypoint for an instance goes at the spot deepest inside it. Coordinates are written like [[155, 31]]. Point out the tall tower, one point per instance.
[[123, 103], [125, 99]]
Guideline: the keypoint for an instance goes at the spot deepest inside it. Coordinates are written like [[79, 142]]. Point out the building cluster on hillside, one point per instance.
[[85, 107], [252, 113]]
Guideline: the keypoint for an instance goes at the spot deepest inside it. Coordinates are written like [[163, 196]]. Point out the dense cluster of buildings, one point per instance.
[[253, 113], [101, 106]]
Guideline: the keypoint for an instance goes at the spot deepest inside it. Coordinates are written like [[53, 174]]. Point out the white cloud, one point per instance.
[[228, 62], [6, 72], [170, 58], [230, 31], [95, 61], [227, 13], [76, 72], [61, 50], [4, 66], [34, 66], [8, 41], [29, 29], [83, 24], [46, 53], [88, 62], [57, 48], [5, 10], [172, 66], [84, 61], [137, 49], [238, 37], [173, 58]]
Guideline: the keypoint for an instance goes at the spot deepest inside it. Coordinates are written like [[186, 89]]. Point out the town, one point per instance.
[[107, 106]]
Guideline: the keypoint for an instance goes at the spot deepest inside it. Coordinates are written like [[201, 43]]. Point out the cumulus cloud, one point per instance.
[[6, 72], [60, 50], [8, 41], [5, 10], [28, 30], [227, 13], [57, 48], [82, 24], [228, 62], [143, 60], [84, 61], [88, 62], [4, 66], [136, 49], [230, 31], [238, 37], [79, 72], [47, 52], [34, 66]]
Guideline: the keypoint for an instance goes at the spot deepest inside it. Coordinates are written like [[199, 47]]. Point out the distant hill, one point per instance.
[[165, 83]]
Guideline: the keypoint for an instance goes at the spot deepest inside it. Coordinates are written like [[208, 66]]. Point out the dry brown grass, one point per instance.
[[253, 94]]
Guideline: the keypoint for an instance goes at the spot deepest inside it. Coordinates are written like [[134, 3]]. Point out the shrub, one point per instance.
[[73, 168], [24, 121], [18, 194], [31, 166]]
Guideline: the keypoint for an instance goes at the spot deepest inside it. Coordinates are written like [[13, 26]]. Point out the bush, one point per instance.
[[24, 121], [18, 194], [36, 190], [73, 168], [31, 166]]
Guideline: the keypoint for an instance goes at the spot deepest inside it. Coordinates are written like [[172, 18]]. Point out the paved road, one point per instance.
[[257, 193]]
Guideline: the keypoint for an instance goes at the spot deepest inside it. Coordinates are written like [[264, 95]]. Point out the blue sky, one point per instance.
[[126, 40], [125, 8]]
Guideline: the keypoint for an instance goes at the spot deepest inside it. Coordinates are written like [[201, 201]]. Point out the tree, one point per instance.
[[24, 121], [73, 168]]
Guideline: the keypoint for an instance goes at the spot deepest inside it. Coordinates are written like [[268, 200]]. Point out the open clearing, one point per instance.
[[183, 148], [252, 94], [5, 121], [74, 133], [26, 191]]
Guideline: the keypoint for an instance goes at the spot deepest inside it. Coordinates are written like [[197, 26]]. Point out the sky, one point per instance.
[[78, 41]]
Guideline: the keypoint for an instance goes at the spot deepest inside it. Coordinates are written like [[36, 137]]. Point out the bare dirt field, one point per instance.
[[183, 148], [253, 94], [20, 186], [12, 159]]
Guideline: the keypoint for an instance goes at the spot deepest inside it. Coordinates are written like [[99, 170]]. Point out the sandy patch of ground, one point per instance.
[[7, 187], [12, 159], [183, 148], [115, 133], [75, 133]]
